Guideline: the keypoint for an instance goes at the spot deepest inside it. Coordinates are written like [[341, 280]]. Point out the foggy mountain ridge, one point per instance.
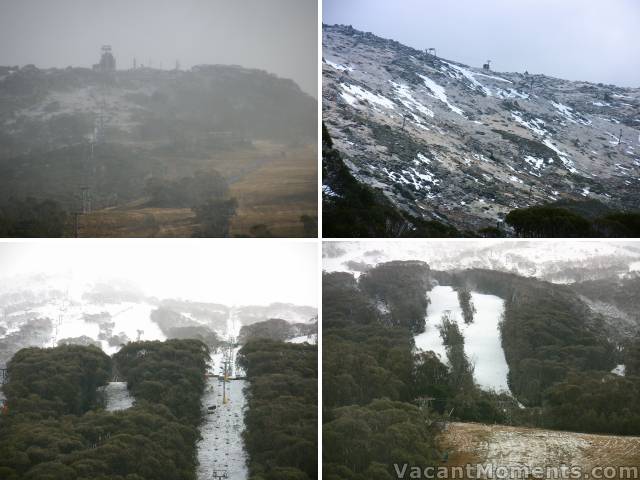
[[558, 262], [465, 145], [63, 105], [61, 311], [113, 131]]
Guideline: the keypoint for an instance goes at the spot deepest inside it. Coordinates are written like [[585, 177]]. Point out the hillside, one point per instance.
[[407, 350], [558, 262], [465, 146], [53, 310], [100, 143]]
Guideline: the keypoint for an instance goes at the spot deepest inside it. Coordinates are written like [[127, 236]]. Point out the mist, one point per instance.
[[279, 36], [238, 272]]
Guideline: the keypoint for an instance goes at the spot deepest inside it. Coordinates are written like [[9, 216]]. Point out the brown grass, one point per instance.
[[278, 194], [517, 446], [274, 186]]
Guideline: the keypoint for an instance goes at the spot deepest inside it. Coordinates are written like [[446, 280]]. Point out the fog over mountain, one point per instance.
[[230, 273], [250, 33]]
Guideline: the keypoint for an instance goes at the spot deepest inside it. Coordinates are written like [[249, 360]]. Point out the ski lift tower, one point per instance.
[[487, 66], [432, 51]]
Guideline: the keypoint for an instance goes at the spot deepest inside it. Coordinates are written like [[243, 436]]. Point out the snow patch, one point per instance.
[[482, 338], [404, 95], [326, 190], [619, 370], [337, 66], [439, 92], [566, 161], [569, 114], [353, 92], [461, 72], [535, 125]]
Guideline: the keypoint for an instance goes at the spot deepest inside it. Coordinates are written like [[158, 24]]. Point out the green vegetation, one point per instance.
[[175, 325], [56, 381], [275, 329], [168, 373], [281, 421], [186, 192], [560, 356], [572, 219], [214, 217], [356, 210], [381, 399], [593, 403], [466, 304], [363, 442], [401, 287], [54, 431], [546, 221], [32, 218]]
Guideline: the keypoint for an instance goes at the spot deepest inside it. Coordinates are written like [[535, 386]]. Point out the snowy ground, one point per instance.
[[549, 260], [117, 396], [482, 338], [131, 319], [503, 446], [221, 448], [311, 339]]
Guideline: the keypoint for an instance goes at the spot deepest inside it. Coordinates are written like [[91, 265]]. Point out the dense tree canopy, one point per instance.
[[32, 218], [401, 288], [281, 421], [55, 429], [573, 221]]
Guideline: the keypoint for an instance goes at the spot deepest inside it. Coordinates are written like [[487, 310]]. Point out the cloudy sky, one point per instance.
[[594, 40], [279, 36], [236, 272]]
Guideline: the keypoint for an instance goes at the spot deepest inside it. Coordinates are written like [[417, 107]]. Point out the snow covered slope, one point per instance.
[[556, 261], [462, 145], [44, 311]]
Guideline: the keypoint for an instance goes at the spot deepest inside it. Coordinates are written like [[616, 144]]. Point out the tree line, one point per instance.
[[557, 352], [55, 427], [281, 421], [383, 401], [557, 221]]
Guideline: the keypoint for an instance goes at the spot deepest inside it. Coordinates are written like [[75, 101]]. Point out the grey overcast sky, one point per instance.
[[593, 40], [279, 36], [237, 272]]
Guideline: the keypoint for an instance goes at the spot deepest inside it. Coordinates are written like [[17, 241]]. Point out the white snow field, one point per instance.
[[221, 448], [117, 397], [310, 339], [482, 338]]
